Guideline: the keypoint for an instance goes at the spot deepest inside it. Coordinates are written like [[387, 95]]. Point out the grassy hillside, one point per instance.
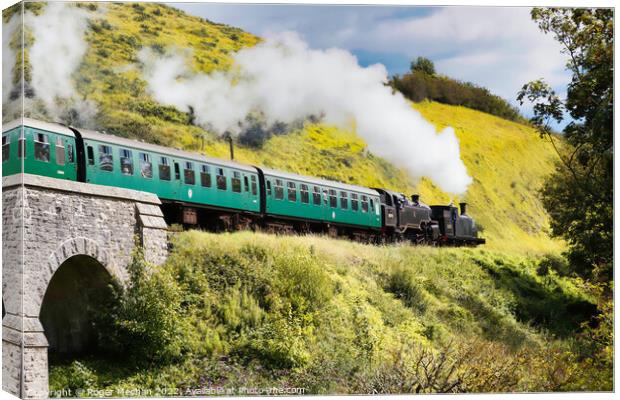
[[507, 160], [509, 163], [255, 310]]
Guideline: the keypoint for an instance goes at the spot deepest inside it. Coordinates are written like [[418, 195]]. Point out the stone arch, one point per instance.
[[77, 292], [66, 250], [98, 222]]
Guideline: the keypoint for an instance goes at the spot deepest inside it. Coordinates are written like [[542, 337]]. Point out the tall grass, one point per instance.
[[334, 316]]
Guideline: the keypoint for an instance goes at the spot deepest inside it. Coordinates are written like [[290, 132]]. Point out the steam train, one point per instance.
[[221, 195]]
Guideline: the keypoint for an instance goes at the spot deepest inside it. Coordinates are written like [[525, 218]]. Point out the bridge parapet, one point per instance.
[[45, 222]]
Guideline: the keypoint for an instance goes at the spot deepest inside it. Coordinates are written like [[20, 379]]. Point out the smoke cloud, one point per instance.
[[58, 47], [55, 55], [283, 80], [8, 56]]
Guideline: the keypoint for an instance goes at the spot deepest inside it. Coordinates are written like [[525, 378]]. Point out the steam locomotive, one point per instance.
[[221, 195]]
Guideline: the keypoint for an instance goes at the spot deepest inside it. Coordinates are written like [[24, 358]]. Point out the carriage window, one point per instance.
[[254, 185], [205, 175], [268, 188], [235, 182], [70, 153], [126, 162], [221, 179], [60, 151], [279, 189], [6, 142], [372, 205], [364, 204], [41, 147], [91, 155], [333, 200], [188, 174], [316, 196], [177, 171], [106, 160], [343, 200], [305, 197], [354, 203], [146, 167], [164, 169], [246, 183], [292, 191]]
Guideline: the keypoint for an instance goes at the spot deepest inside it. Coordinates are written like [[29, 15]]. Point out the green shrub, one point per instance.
[[72, 377], [239, 311], [404, 285], [552, 262], [147, 324], [419, 85], [301, 281], [280, 344]]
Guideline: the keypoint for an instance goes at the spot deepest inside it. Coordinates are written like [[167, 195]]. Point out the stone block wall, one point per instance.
[[45, 222]]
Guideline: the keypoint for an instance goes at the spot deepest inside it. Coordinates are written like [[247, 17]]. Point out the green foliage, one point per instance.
[[579, 195], [301, 280], [279, 344], [334, 316], [34, 7], [423, 84], [72, 377], [423, 65], [543, 304], [145, 316], [555, 263], [149, 108], [404, 285]]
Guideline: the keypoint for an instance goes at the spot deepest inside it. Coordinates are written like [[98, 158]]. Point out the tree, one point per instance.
[[424, 65], [579, 195]]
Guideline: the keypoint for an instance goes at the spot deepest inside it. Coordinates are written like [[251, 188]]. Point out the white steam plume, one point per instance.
[[284, 80], [8, 54], [56, 53]]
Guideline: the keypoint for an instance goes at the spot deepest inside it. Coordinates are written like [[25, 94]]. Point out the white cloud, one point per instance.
[[500, 48]]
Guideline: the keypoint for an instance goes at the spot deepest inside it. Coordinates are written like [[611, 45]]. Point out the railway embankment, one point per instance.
[[256, 310]]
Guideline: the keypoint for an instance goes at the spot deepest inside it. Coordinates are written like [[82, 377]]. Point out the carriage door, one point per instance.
[[66, 157], [176, 181], [245, 190]]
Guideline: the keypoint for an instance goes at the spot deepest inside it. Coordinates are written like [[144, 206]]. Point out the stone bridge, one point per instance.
[[61, 241]]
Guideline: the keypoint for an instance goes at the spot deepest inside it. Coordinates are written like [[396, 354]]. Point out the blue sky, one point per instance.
[[497, 47]]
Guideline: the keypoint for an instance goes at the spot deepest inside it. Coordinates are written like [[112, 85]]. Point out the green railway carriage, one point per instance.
[[302, 197], [170, 173], [66, 153], [38, 148]]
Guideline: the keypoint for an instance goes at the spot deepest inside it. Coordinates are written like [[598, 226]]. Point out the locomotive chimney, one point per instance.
[[229, 138], [415, 198], [463, 208]]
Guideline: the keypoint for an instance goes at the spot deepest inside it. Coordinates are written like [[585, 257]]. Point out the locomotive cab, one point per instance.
[[388, 209]]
